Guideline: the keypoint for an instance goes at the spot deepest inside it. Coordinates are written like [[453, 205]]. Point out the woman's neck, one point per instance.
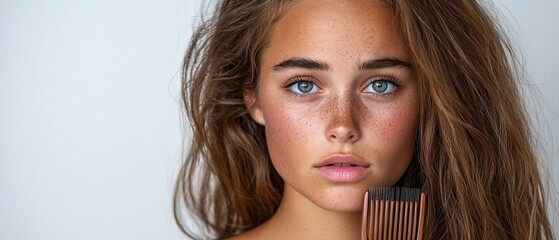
[[299, 218]]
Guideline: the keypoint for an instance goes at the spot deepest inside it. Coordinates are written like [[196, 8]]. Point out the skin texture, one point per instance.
[[341, 115]]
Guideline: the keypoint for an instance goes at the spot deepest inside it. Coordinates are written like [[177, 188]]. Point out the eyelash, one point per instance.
[[297, 79], [287, 85]]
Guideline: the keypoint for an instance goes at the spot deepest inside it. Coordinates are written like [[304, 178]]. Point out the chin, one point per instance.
[[340, 200]]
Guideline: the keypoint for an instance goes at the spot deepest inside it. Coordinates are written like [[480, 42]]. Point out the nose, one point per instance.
[[343, 125]]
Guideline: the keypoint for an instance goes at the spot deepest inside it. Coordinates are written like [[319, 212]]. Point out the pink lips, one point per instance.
[[342, 168]]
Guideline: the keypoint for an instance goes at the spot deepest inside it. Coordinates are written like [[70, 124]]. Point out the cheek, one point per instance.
[[392, 137], [395, 124], [398, 125], [288, 133]]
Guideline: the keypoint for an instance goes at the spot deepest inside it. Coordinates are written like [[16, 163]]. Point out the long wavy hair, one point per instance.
[[474, 157]]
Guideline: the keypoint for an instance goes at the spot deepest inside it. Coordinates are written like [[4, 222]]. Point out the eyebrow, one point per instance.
[[383, 63], [322, 66], [302, 63]]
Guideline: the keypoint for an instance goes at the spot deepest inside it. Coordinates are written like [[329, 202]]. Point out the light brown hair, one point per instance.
[[474, 151]]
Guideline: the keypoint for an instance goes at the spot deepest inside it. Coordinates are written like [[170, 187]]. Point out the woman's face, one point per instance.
[[338, 101]]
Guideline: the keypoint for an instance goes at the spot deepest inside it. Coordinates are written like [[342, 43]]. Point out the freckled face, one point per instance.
[[338, 101]]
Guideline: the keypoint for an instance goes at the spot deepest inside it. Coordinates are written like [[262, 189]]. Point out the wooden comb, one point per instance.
[[393, 213]]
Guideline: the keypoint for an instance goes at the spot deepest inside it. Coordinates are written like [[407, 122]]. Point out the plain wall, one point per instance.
[[90, 136]]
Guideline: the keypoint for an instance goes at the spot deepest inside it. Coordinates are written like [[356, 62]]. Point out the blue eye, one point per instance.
[[381, 87], [303, 87]]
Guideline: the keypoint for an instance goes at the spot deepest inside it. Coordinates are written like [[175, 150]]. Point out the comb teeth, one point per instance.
[[393, 213], [394, 194]]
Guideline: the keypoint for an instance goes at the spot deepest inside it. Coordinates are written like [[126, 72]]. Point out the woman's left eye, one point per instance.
[[381, 87]]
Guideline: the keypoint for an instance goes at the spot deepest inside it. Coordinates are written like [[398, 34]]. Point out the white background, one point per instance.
[[90, 136]]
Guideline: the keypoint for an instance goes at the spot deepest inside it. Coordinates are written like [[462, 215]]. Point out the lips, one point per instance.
[[342, 168], [341, 164]]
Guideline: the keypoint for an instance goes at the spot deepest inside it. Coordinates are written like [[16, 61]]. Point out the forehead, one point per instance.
[[359, 28]]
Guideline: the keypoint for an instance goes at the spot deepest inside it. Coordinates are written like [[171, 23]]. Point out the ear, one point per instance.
[[249, 97]]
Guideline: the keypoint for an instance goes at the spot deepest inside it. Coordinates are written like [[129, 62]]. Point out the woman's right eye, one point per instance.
[[303, 87]]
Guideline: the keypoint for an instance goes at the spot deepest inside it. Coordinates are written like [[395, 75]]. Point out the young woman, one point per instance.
[[298, 107]]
